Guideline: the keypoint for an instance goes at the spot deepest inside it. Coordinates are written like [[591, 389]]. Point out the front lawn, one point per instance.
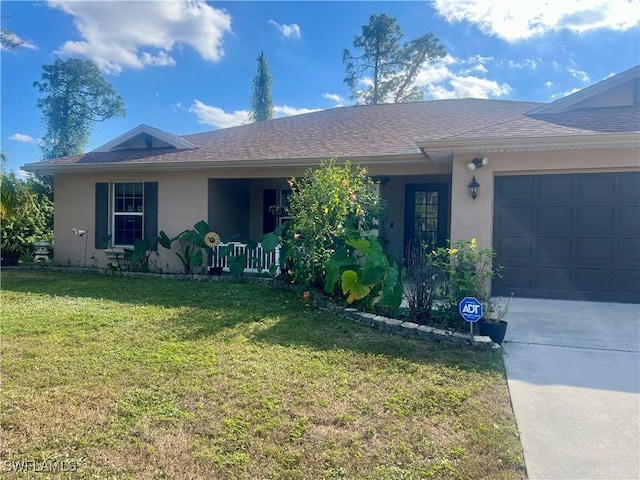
[[149, 378]]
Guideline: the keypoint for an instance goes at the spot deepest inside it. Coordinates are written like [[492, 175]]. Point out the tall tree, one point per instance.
[[261, 100], [391, 69], [76, 96]]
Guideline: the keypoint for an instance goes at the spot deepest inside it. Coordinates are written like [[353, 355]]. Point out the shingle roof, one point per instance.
[[346, 132], [375, 130]]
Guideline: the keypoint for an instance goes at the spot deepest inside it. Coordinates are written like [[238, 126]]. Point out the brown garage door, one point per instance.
[[573, 236]]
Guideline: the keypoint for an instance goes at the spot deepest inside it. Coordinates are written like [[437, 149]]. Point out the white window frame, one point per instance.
[[115, 214]]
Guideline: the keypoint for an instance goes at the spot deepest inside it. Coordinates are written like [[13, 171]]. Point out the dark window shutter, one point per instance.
[[150, 227], [101, 228]]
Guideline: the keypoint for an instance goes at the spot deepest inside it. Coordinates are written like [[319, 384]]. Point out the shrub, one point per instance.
[[424, 281], [328, 206], [468, 271]]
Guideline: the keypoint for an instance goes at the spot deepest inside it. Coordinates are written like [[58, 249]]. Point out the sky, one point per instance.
[[187, 66]]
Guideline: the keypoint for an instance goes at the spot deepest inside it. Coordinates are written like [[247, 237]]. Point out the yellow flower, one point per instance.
[[453, 251], [212, 239], [474, 243]]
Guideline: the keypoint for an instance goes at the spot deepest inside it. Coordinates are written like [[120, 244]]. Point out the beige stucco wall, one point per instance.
[[474, 219], [182, 201]]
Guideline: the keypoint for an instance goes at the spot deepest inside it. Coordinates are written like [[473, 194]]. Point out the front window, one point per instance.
[[128, 213]]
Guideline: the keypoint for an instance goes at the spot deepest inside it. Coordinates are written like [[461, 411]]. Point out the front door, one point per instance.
[[426, 215]]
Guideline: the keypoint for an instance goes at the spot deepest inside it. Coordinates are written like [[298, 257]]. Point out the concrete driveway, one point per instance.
[[573, 370]]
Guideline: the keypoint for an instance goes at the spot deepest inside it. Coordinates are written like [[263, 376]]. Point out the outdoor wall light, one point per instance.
[[477, 163], [473, 187]]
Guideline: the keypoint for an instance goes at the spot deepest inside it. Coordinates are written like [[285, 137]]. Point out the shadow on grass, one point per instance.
[[262, 313]]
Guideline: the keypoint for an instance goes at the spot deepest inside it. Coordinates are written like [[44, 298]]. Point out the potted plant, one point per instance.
[[493, 324]]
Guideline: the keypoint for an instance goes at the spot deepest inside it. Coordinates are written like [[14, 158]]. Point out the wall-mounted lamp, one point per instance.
[[473, 187], [477, 163]]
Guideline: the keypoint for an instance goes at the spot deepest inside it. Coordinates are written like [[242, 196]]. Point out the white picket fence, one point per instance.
[[258, 261]]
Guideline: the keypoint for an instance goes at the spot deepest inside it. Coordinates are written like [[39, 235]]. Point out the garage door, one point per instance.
[[574, 236]]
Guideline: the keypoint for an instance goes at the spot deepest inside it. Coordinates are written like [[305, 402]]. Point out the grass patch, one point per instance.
[[148, 379]]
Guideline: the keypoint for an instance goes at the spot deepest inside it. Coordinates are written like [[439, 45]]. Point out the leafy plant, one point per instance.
[[328, 206], [468, 270], [364, 273], [191, 245]]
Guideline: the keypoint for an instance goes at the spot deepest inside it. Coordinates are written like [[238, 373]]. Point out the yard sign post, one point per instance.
[[471, 311]]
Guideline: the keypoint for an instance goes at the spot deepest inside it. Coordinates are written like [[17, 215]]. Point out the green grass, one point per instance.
[[149, 379]]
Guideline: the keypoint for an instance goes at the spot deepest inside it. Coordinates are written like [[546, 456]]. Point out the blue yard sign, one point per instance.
[[471, 309]]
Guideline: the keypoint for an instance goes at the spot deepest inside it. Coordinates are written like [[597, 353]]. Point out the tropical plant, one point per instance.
[[26, 214], [391, 69], [468, 270], [76, 96], [330, 205], [363, 272]]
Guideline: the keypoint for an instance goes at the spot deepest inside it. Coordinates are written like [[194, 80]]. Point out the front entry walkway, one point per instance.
[[573, 370]]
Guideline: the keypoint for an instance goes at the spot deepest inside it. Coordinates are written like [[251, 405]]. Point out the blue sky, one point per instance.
[[187, 66]]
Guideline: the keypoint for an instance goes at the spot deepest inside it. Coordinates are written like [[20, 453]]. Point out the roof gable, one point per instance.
[[144, 137], [616, 91]]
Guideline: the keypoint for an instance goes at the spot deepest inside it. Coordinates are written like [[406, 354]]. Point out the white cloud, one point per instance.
[[288, 31], [529, 63], [513, 21], [455, 78], [23, 138], [286, 111], [579, 74], [217, 117], [118, 35], [340, 101]]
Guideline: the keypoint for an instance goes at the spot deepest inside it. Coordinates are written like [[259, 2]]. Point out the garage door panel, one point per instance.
[[553, 250], [574, 236], [516, 248], [515, 219], [594, 280], [515, 188], [596, 186], [516, 277], [555, 278], [629, 186], [595, 219], [554, 218], [629, 251], [594, 250], [628, 281], [555, 187], [629, 219]]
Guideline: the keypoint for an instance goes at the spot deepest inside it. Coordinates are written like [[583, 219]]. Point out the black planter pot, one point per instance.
[[495, 331]]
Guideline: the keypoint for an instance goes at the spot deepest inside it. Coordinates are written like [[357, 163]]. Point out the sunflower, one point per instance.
[[212, 239]]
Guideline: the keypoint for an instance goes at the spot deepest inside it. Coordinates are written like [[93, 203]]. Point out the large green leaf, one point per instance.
[[202, 228], [196, 258], [392, 292], [353, 287], [361, 244], [338, 260], [195, 238], [270, 242], [237, 265]]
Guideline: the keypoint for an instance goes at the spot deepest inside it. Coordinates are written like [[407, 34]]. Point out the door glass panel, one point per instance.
[[426, 218]]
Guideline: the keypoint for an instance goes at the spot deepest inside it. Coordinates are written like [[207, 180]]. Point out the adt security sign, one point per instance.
[[471, 309]]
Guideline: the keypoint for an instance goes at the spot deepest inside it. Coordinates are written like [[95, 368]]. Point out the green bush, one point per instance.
[[26, 214], [467, 270], [328, 206]]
